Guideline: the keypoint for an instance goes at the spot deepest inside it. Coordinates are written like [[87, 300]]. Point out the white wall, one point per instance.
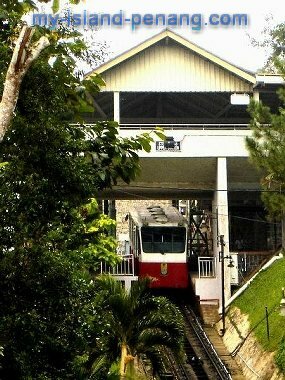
[[200, 143]]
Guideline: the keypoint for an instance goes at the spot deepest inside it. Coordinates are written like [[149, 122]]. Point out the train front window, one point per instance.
[[163, 239]]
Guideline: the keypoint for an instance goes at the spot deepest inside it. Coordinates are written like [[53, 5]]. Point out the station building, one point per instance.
[[200, 100]]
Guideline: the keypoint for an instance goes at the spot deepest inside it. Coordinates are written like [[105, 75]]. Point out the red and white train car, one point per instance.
[[158, 241]]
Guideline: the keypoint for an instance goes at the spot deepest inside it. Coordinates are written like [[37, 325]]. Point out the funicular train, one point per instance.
[[158, 242]]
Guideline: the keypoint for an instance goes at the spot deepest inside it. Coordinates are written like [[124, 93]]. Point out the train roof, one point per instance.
[[157, 215]]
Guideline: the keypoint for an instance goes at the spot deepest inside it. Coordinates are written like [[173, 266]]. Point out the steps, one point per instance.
[[221, 350]]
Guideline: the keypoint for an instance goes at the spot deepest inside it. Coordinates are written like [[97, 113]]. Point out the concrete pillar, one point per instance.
[[221, 225], [256, 96], [117, 106]]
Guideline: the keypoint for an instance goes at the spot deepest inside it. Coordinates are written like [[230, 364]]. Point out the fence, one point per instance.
[[124, 268], [207, 266]]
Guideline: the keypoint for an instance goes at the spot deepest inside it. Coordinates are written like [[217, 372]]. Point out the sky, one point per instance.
[[230, 43]]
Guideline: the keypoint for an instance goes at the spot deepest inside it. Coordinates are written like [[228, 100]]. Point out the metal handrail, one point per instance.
[[126, 266], [173, 126]]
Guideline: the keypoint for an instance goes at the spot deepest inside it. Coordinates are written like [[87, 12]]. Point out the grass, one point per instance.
[[265, 291]]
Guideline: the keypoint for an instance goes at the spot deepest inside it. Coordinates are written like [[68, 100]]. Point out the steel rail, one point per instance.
[[206, 344]]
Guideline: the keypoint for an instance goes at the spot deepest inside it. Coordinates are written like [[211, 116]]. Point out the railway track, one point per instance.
[[201, 360]]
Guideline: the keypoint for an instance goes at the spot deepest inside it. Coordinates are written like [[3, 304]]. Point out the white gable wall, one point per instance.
[[166, 68]]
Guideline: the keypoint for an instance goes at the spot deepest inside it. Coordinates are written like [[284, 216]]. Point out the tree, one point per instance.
[[137, 324], [52, 233], [47, 294], [267, 144], [29, 42], [24, 53], [52, 241], [267, 151]]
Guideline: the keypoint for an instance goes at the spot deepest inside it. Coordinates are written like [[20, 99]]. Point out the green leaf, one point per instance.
[[161, 135], [145, 144], [55, 6], [3, 164]]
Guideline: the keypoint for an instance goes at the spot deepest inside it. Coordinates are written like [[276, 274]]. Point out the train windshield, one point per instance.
[[163, 239]]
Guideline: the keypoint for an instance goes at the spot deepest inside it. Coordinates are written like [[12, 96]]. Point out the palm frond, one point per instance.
[[100, 362], [143, 322]]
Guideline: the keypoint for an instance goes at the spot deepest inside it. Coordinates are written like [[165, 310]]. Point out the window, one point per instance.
[[163, 239]]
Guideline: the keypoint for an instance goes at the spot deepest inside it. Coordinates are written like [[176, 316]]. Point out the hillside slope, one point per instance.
[[248, 335]]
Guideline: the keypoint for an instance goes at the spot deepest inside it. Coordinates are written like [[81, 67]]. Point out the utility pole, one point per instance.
[[222, 259]]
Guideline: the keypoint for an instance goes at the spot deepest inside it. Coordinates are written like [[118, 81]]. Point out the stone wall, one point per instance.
[[254, 361]]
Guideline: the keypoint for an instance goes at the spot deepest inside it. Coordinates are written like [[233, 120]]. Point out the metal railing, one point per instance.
[[125, 268], [207, 345], [173, 126], [178, 126], [206, 267]]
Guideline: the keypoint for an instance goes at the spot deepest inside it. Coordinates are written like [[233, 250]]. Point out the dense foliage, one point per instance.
[[267, 144], [267, 151], [52, 233], [137, 321]]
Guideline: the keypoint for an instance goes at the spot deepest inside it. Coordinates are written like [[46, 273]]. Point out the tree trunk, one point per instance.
[[23, 55], [123, 366], [127, 360], [9, 101]]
